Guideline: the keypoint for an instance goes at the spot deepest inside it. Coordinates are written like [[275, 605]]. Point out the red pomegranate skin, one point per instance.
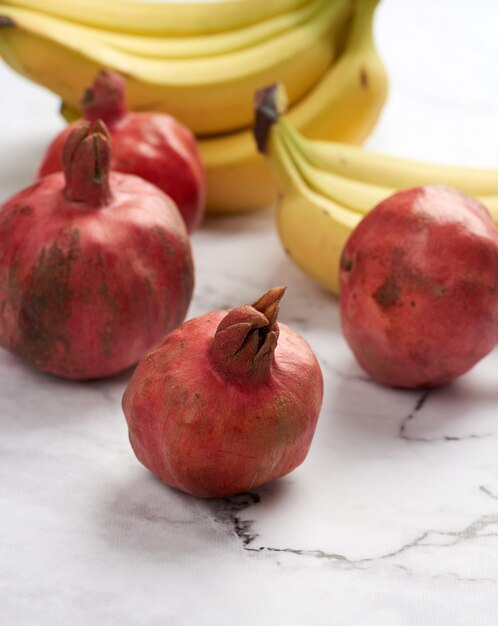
[[209, 434], [88, 286], [154, 146], [419, 287]]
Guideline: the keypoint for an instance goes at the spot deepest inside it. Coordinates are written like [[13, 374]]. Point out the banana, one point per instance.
[[210, 95], [313, 229], [171, 18], [206, 45], [317, 209], [358, 195], [491, 203], [353, 194], [202, 46], [344, 106], [389, 171]]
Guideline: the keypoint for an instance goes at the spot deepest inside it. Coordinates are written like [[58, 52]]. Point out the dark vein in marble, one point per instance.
[[319, 554], [231, 508], [418, 406], [229, 511], [471, 532], [488, 492], [448, 438], [465, 579], [416, 410]]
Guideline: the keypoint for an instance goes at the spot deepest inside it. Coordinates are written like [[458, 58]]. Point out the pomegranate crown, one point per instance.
[[86, 158], [246, 338]]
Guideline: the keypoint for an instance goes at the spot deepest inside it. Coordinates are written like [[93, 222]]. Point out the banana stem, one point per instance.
[[270, 104], [361, 35]]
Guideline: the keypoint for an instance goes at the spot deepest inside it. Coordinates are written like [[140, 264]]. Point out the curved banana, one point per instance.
[[353, 194], [389, 171], [172, 18], [206, 45], [167, 47], [317, 209], [358, 195], [343, 106], [313, 229], [210, 94]]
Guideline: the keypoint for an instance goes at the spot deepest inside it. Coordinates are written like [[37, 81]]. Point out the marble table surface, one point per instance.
[[393, 518]]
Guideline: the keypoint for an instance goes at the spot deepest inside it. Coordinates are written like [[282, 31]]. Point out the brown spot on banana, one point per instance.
[[364, 78]]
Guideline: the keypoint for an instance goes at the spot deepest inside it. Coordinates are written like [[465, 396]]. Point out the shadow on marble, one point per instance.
[[267, 497], [423, 415], [145, 516]]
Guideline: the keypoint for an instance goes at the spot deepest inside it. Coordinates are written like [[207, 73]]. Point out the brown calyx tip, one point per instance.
[[105, 98], [6, 22], [269, 303], [246, 338], [86, 158], [270, 103]]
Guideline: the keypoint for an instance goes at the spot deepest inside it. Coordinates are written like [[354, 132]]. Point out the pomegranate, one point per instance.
[[227, 402], [419, 287], [94, 266], [154, 146]]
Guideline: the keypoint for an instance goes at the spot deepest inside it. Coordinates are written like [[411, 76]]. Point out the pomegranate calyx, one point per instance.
[[246, 338], [86, 158], [105, 99]]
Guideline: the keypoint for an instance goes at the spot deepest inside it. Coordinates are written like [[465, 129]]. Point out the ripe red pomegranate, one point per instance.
[[419, 287], [94, 266], [154, 146], [227, 402]]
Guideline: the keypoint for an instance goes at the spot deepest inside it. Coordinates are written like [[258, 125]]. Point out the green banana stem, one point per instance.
[[361, 35]]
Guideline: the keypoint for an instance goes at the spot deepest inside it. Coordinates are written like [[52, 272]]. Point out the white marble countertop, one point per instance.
[[393, 518]]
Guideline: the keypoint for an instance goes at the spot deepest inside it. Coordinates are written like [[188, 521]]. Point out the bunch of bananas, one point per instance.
[[327, 187], [202, 64]]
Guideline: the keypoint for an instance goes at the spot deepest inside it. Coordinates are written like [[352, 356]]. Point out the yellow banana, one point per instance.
[[389, 171], [210, 95], [344, 106], [206, 45], [491, 203], [353, 194], [163, 46], [172, 18], [317, 209], [313, 229], [359, 195]]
